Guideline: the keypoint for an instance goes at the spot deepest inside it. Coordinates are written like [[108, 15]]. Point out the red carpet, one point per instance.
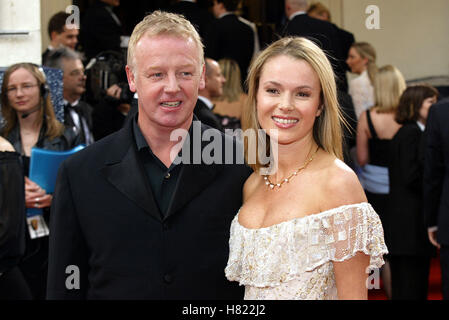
[[434, 284]]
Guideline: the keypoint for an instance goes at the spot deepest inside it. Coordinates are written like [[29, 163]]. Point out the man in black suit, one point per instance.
[[61, 34], [436, 185], [214, 81], [129, 220], [230, 37], [323, 33], [77, 113], [100, 28]]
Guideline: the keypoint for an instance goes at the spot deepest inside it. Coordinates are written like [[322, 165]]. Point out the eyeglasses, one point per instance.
[[26, 88], [77, 73]]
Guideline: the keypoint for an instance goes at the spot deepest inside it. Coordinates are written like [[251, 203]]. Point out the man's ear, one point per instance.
[[131, 79], [202, 83], [53, 35]]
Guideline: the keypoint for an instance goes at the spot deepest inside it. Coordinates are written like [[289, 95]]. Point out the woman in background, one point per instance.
[[375, 129], [362, 61], [408, 243], [30, 121], [230, 105]]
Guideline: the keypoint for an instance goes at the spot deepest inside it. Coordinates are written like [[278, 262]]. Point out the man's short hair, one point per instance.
[[230, 5], [54, 60], [57, 22], [163, 23]]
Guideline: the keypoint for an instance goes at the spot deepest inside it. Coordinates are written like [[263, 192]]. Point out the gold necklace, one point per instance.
[[272, 185]]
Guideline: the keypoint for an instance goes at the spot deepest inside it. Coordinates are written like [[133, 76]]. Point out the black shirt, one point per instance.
[[162, 179]]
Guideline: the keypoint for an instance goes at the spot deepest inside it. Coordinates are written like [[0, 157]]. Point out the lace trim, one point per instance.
[[282, 252]]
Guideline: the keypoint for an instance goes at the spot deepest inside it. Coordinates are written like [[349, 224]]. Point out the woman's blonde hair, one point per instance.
[[54, 128], [232, 88], [327, 129], [388, 88], [367, 51]]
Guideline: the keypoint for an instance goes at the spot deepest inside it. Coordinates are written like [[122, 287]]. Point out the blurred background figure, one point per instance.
[[101, 29], [230, 104], [30, 122], [318, 10], [212, 90], [231, 37], [375, 129], [362, 61], [408, 244], [77, 113], [13, 285], [61, 34], [436, 185]]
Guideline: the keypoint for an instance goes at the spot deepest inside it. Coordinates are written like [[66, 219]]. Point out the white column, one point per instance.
[[20, 15]]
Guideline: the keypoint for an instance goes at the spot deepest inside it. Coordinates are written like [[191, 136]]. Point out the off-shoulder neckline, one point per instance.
[[314, 215]]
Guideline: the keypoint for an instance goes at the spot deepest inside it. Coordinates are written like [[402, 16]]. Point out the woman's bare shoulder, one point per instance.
[[5, 145], [340, 185]]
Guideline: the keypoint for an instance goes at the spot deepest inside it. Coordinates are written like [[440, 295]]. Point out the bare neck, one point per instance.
[[159, 139]]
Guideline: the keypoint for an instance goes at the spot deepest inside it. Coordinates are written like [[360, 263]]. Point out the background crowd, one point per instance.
[[389, 140]]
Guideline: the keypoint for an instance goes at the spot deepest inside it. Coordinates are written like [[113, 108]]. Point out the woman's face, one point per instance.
[[356, 62], [288, 99], [424, 110], [23, 91]]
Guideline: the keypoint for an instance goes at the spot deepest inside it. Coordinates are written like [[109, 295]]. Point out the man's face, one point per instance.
[[67, 38], [74, 78], [214, 79], [167, 76]]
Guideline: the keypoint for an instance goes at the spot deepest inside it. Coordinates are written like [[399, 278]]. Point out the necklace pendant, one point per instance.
[[271, 186]]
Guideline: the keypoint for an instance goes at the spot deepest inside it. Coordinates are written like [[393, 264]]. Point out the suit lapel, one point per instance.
[[127, 175]]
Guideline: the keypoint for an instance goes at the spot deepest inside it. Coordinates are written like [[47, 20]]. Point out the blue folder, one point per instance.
[[44, 167]]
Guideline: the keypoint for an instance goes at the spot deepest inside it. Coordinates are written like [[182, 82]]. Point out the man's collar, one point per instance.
[[297, 13], [207, 102], [225, 14], [72, 104], [421, 125]]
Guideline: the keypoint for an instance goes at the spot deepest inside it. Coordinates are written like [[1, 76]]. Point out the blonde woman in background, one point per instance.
[[233, 99], [362, 61], [375, 130]]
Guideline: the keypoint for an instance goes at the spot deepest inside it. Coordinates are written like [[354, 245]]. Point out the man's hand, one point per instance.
[[433, 238]]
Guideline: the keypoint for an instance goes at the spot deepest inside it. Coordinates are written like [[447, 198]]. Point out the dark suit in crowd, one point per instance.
[[233, 39], [206, 116], [99, 30], [137, 230], [199, 17], [409, 246], [436, 182], [325, 35], [13, 285], [84, 111]]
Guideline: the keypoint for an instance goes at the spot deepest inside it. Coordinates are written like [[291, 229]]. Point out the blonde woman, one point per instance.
[[376, 127], [304, 231], [233, 98], [362, 61]]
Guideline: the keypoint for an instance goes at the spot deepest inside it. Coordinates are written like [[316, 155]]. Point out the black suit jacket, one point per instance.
[[436, 170], [325, 35], [105, 221], [199, 17], [206, 116], [85, 111], [233, 39], [99, 31], [407, 232]]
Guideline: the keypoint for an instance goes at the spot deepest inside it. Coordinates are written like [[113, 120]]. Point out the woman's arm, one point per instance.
[[362, 140]]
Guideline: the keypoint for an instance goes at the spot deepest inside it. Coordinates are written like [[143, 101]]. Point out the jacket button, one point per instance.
[[168, 278]]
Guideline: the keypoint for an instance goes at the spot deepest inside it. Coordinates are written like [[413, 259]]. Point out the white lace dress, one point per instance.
[[293, 259]]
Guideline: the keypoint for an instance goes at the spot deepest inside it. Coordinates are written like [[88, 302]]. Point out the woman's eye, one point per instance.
[[304, 94], [272, 91]]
